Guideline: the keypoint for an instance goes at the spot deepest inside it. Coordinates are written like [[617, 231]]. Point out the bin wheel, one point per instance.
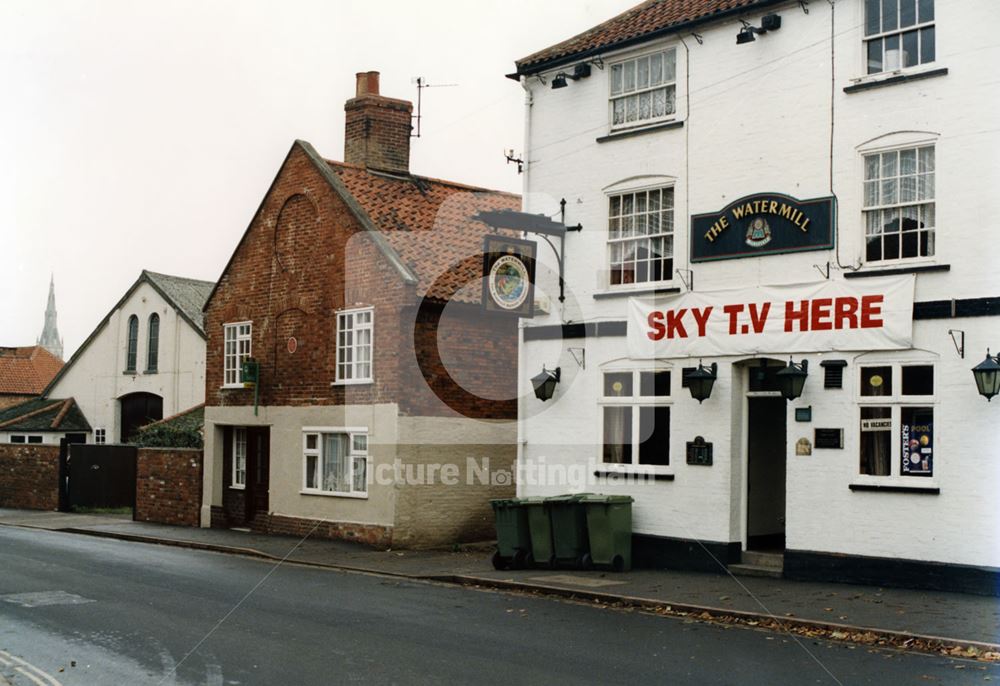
[[552, 563], [498, 560], [618, 563], [586, 562], [520, 559]]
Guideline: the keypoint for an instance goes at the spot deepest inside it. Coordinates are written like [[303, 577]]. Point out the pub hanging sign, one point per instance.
[[509, 276], [763, 224]]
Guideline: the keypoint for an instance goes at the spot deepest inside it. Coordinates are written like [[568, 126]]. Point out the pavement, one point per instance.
[[930, 621]]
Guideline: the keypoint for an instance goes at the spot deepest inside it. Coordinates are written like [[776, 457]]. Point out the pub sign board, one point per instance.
[[763, 224], [509, 276]]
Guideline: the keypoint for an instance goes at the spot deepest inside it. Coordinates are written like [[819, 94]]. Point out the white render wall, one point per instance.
[[760, 121], [97, 378]]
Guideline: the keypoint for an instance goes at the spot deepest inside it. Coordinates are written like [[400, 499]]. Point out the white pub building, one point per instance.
[[785, 273]]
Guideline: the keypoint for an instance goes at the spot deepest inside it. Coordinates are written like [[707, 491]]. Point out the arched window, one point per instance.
[[153, 349], [133, 343]]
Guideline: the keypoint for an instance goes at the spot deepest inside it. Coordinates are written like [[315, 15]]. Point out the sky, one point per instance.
[[142, 135]]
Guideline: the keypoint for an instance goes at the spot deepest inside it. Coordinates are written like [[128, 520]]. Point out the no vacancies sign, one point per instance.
[[762, 224], [812, 317]]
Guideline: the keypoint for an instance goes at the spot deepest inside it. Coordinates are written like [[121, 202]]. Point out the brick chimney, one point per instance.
[[377, 133]]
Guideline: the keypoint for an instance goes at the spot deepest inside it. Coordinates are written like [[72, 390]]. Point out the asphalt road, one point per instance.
[[79, 610]]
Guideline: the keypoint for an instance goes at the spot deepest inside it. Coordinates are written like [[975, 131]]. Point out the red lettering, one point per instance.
[[871, 307], [674, 324], [846, 309], [821, 314], [655, 321], [701, 318], [758, 318], [732, 311], [800, 315]]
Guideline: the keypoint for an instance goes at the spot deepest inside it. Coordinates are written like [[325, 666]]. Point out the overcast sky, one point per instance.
[[142, 135]]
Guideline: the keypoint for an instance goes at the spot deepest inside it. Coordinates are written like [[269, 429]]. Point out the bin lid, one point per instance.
[[505, 502], [606, 499], [568, 498], [533, 500]]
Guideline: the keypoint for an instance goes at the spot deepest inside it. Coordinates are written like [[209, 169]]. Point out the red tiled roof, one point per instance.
[[428, 222], [27, 370], [643, 19]]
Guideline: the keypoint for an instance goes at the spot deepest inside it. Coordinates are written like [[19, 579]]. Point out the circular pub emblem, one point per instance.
[[508, 282], [293, 344]]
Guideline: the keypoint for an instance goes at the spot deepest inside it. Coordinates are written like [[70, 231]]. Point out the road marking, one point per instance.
[[44, 598], [28, 674], [49, 679]]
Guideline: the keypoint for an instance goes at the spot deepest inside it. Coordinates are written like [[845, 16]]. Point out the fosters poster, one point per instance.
[[813, 317]]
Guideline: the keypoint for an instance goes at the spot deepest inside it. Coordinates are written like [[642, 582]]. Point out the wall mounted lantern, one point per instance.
[[792, 379], [545, 382], [769, 22], [701, 380], [580, 71], [987, 375]]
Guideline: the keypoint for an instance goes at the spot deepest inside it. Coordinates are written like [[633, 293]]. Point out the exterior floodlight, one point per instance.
[[987, 375], [701, 380], [545, 382], [793, 378]]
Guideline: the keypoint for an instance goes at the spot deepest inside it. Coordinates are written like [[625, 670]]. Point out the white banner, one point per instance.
[[876, 314]]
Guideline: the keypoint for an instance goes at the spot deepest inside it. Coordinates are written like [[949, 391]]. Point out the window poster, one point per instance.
[[917, 442]]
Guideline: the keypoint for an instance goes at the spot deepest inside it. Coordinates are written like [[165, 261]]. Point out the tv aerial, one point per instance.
[[421, 83]]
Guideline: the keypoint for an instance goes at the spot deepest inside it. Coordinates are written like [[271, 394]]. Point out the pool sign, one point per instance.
[[794, 318], [508, 275], [763, 224]]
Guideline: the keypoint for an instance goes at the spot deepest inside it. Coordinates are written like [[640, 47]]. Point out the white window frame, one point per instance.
[[881, 35], [100, 435], [637, 91], [666, 219], [634, 401], [232, 365], [921, 179], [896, 401], [238, 479], [354, 455], [353, 348]]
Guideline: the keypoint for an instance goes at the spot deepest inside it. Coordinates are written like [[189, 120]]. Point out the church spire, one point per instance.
[[50, 334]]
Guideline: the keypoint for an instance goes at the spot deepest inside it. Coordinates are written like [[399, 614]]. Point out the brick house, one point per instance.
[[25, 372], [356, 290]]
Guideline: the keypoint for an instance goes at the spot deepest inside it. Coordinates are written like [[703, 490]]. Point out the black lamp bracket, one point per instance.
[[687, 278], [959, 342], [698, 37], [804, 4], [580, 355]]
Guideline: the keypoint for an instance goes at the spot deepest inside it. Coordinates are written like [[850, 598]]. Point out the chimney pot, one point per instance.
[[367, 83]]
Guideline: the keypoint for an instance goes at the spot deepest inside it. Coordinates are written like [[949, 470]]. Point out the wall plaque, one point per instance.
[[829, 438], [803, 447]]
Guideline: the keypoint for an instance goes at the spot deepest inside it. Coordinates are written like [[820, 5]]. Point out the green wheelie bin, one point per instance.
[[513, 538], [541, 530], [609, 526], [569, 530]]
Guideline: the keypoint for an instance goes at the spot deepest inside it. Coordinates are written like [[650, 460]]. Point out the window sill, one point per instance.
[[636, 292], [879, 80], [329, 494], [622, 474], [130, 372], [897, 488], [236, 487], [352, 382], [639, 130], [865, 273], [233, 387], [151, 371]]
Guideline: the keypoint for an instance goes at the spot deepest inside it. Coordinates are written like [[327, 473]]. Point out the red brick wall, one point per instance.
[[304, 257], [29, 477], [290, 274], [168, 486], [370, 534]]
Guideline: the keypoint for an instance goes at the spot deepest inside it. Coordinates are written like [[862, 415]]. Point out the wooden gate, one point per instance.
[[101, 476]]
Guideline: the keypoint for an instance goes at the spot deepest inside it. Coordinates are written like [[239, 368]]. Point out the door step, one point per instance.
[[762, 559], [755, 570]]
